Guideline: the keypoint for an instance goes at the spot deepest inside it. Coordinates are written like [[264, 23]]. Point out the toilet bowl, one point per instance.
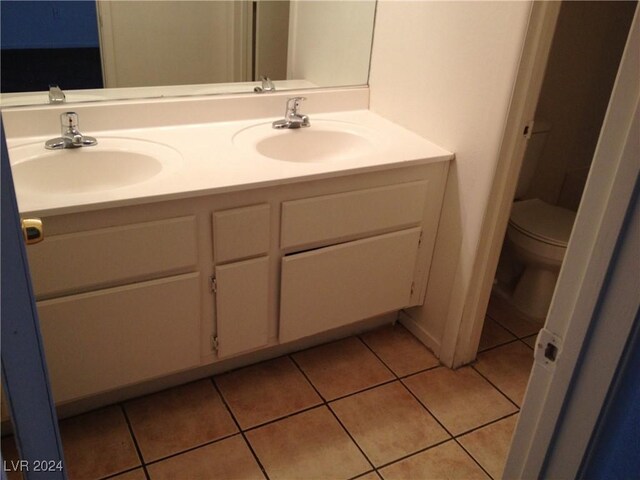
[[538, 234]]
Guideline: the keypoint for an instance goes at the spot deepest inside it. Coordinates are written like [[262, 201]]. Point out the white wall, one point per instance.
[[330, 41], [446, 70]]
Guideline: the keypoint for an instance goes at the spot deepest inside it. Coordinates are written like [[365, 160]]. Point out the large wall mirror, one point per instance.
[[117, 49]]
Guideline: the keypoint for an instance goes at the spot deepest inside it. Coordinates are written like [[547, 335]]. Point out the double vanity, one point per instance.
[[178, 243]]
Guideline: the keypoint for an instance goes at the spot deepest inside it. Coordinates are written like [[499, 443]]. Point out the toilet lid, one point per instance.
[[547, 223]]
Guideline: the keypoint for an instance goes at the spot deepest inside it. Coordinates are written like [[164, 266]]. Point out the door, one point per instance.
[[592, 313], [30, 402], [173, 42]]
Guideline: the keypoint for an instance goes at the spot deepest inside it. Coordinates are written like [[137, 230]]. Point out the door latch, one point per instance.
[[548, 348]]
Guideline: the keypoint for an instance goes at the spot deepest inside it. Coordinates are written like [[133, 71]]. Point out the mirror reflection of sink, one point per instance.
[[323, 141], [113, 163]]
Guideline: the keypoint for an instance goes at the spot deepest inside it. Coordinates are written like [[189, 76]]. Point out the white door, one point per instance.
[[172, 42], [566, 395]]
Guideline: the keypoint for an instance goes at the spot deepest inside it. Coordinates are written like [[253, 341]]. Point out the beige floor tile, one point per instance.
[[510, 318], [489, 445], [508, 367], [132, 475], [400, 350], [342, 367], [97, 444], [369, 476], [446, 461], [174, 420], [309, 445], [493, 334], [531, 341], [461, 399], [227, 459], [388, 423], [266, 391]]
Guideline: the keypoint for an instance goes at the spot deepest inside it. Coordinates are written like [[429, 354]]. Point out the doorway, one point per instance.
[[581, 69]]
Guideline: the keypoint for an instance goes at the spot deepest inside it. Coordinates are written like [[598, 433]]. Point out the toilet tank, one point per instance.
[[533, 152]]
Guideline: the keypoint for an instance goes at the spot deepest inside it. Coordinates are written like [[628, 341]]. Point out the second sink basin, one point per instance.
[[112, 163], [323, 141]]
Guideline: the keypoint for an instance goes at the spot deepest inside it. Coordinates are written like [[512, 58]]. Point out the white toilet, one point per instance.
[[537, 236]]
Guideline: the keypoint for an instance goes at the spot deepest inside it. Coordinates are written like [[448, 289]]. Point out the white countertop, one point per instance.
[[212, 164]]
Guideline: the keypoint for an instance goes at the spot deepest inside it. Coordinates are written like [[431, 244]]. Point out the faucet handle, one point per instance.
[[69, 121], [294, 103]]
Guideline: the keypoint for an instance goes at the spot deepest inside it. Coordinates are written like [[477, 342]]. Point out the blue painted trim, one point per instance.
[[24, 367]]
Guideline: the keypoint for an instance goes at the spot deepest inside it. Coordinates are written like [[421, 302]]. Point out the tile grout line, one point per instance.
[[495, 386], [326, 404], [135, 440], [452, 437], [244, 437]]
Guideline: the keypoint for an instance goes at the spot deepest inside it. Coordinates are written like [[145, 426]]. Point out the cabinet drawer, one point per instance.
[[106, 339], [82, 261], [240, 233], [242, 302], [340, 216], [334, 286]]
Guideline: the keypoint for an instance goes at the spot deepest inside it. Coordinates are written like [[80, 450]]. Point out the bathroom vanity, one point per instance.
[[229, 250]]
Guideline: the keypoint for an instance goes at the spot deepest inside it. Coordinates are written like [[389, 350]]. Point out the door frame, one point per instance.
[[461, 339]]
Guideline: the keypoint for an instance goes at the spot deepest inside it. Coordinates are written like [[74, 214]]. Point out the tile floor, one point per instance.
[[373, 406]]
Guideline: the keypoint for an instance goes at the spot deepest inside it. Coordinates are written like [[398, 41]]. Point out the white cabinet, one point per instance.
[[124, 294], [334, 286], [102, 340], [242, 287], [241, 306]]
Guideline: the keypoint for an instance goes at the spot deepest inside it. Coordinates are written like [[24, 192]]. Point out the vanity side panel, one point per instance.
[[110, 338], [337, 217], [242, 306], [334, 286], [82, 261]]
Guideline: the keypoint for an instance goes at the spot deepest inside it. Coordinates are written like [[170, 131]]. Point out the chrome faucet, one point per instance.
[[292, 119], [267, 85], [56, 95], [71, 136]]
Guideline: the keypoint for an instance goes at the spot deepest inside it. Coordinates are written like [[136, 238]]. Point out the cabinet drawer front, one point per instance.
[[102, 340], [340, 216], [338, 285], [83, 261], [242, 302], [240, 233]]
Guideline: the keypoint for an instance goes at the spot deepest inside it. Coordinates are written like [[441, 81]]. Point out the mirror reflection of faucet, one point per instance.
[[71, 136], [293, 119], [267, 85], [56, 95]]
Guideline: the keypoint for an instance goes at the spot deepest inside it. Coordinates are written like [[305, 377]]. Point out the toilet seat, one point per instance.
[[544, 222]]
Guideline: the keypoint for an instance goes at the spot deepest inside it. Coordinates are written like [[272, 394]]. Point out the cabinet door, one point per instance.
[[334, 286], [242, 305], [110, 338]]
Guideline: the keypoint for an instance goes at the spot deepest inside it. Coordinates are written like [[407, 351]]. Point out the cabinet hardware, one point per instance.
[[214, 343], [213, 284]]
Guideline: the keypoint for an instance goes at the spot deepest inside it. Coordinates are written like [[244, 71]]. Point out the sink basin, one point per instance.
[[113, 163], [323, 141]]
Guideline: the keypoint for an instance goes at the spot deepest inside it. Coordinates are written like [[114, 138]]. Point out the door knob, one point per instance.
[[32, 230]]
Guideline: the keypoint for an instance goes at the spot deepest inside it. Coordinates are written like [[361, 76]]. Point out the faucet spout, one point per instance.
[[292, 118], [71, 136]]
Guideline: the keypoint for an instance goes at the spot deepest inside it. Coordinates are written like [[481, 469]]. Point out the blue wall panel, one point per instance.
[[40, 24]]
